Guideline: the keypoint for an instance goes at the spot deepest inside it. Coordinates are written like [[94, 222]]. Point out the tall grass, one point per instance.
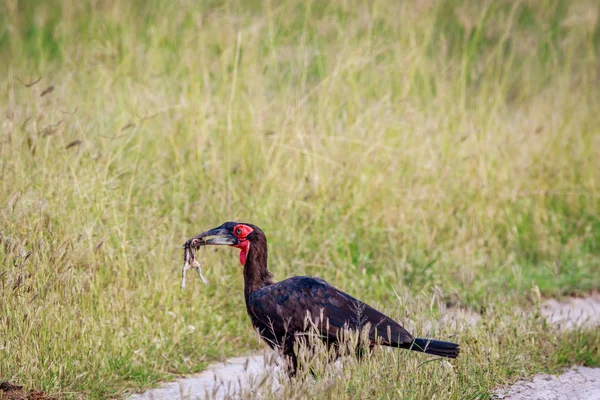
[[388, 147]]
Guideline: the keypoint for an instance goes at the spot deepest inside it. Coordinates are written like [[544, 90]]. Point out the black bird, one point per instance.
[[279, 310]]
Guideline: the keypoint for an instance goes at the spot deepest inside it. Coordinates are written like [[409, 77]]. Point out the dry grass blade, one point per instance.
[[30, 84], [46, 91], [74, 143]]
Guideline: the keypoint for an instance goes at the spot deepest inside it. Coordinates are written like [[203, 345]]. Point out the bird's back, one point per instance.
[[281, 310]]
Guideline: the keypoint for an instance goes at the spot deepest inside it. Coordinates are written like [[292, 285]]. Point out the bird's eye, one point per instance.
[[238, 231]]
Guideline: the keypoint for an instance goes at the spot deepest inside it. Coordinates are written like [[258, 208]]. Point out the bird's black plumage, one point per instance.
[[284, 311]]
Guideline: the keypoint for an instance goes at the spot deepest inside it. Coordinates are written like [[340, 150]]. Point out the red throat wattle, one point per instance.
[[244, 246], [241, 231]]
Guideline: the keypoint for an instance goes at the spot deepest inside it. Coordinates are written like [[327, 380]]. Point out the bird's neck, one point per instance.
[[256, 274]]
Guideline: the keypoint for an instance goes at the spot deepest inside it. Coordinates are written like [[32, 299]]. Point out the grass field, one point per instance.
[[414, 154]]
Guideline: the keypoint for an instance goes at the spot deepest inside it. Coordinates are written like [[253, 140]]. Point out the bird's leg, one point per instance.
[[288, 352], [291, 364]]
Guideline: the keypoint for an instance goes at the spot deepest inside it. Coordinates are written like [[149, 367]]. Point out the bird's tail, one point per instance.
[[435, 347]]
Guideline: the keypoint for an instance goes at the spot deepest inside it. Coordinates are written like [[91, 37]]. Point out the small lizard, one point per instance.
[[189, 261]]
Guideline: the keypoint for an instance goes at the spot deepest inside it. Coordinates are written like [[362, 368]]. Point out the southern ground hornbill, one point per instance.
[[283, 312]]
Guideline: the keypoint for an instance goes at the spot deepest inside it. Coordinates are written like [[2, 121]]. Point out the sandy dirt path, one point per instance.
[[577, 383], [221, 380]]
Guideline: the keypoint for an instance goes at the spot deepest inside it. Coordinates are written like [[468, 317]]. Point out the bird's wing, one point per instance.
[[285, 306]]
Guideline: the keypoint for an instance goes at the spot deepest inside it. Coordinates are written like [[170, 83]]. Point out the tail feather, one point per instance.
[[435, 347]]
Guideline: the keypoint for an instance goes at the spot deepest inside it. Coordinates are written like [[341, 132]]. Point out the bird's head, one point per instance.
[[234, 234]]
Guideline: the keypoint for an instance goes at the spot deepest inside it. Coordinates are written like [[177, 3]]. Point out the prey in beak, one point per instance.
[[189, 261], [217, 236]]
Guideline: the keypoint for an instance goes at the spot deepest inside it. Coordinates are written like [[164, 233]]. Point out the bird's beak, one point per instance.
[[217, 236]]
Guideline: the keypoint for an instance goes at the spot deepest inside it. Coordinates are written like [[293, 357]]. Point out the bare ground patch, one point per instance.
[[221, 380], [9, 391], [581, 383], [573, 312]]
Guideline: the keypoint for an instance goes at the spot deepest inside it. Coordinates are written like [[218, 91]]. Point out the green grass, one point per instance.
[[500, 350], [389, 147]]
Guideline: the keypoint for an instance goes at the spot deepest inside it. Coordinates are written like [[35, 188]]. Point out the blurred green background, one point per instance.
[[445, 149]]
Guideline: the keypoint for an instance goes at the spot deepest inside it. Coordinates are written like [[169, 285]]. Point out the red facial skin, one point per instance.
[[241, 231]]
